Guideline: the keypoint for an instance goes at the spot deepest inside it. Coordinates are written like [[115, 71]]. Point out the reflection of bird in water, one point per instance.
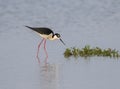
[[49, 76], [45, 33]]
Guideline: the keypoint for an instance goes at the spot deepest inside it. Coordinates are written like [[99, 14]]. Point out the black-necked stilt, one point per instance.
[[45, 33]]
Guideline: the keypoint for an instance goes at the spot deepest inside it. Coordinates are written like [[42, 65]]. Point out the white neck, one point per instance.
[[54, 38]]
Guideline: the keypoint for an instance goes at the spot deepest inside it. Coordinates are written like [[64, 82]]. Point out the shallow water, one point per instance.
[[80, 23]]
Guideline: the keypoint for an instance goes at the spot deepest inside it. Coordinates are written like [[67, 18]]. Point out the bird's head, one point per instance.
[[57, 36]]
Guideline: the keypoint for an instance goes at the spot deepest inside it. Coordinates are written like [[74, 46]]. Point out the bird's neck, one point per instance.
[[54, 37]]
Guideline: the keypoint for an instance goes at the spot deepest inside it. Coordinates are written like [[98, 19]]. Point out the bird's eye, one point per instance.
[[58, 35]]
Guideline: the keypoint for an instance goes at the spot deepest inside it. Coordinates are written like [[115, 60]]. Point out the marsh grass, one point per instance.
[[87, 51]]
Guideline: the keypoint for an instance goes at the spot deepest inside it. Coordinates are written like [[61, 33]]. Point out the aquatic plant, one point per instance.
[[87, 51]]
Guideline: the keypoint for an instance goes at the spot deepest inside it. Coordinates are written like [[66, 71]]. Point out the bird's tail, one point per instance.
[[34, 29], [29, 27]]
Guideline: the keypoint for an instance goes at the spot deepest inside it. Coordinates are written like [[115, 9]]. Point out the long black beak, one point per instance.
[[62, 41]]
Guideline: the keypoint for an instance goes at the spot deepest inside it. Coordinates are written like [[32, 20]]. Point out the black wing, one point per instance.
[[42, 30]]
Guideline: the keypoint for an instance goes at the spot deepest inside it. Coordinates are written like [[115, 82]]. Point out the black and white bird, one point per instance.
[[45, 33]]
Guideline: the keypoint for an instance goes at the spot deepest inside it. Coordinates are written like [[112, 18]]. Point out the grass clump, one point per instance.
[[68, 53], [87, 51]]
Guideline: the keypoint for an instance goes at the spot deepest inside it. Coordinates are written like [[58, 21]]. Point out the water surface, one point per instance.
[[79, 22]]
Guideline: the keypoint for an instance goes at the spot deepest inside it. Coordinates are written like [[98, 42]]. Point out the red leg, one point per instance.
[[39, 48], [45, 49]]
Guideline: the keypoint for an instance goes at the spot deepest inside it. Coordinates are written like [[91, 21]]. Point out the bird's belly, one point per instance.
[[46, 36]]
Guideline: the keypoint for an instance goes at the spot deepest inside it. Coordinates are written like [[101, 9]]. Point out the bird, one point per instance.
[[45, 33]]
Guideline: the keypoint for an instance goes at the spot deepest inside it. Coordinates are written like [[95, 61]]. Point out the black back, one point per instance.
[[42, 30]]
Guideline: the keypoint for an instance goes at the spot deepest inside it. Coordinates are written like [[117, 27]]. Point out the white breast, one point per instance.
[[46, 36], [50, 36]]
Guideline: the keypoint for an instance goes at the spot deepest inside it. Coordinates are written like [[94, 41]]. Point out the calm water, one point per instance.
[[80, 23]]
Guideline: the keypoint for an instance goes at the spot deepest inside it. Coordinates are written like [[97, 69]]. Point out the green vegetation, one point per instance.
[[87, 51]]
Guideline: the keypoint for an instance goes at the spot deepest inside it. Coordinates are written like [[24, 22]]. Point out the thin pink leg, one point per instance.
[[39, 48], [45, 49]]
